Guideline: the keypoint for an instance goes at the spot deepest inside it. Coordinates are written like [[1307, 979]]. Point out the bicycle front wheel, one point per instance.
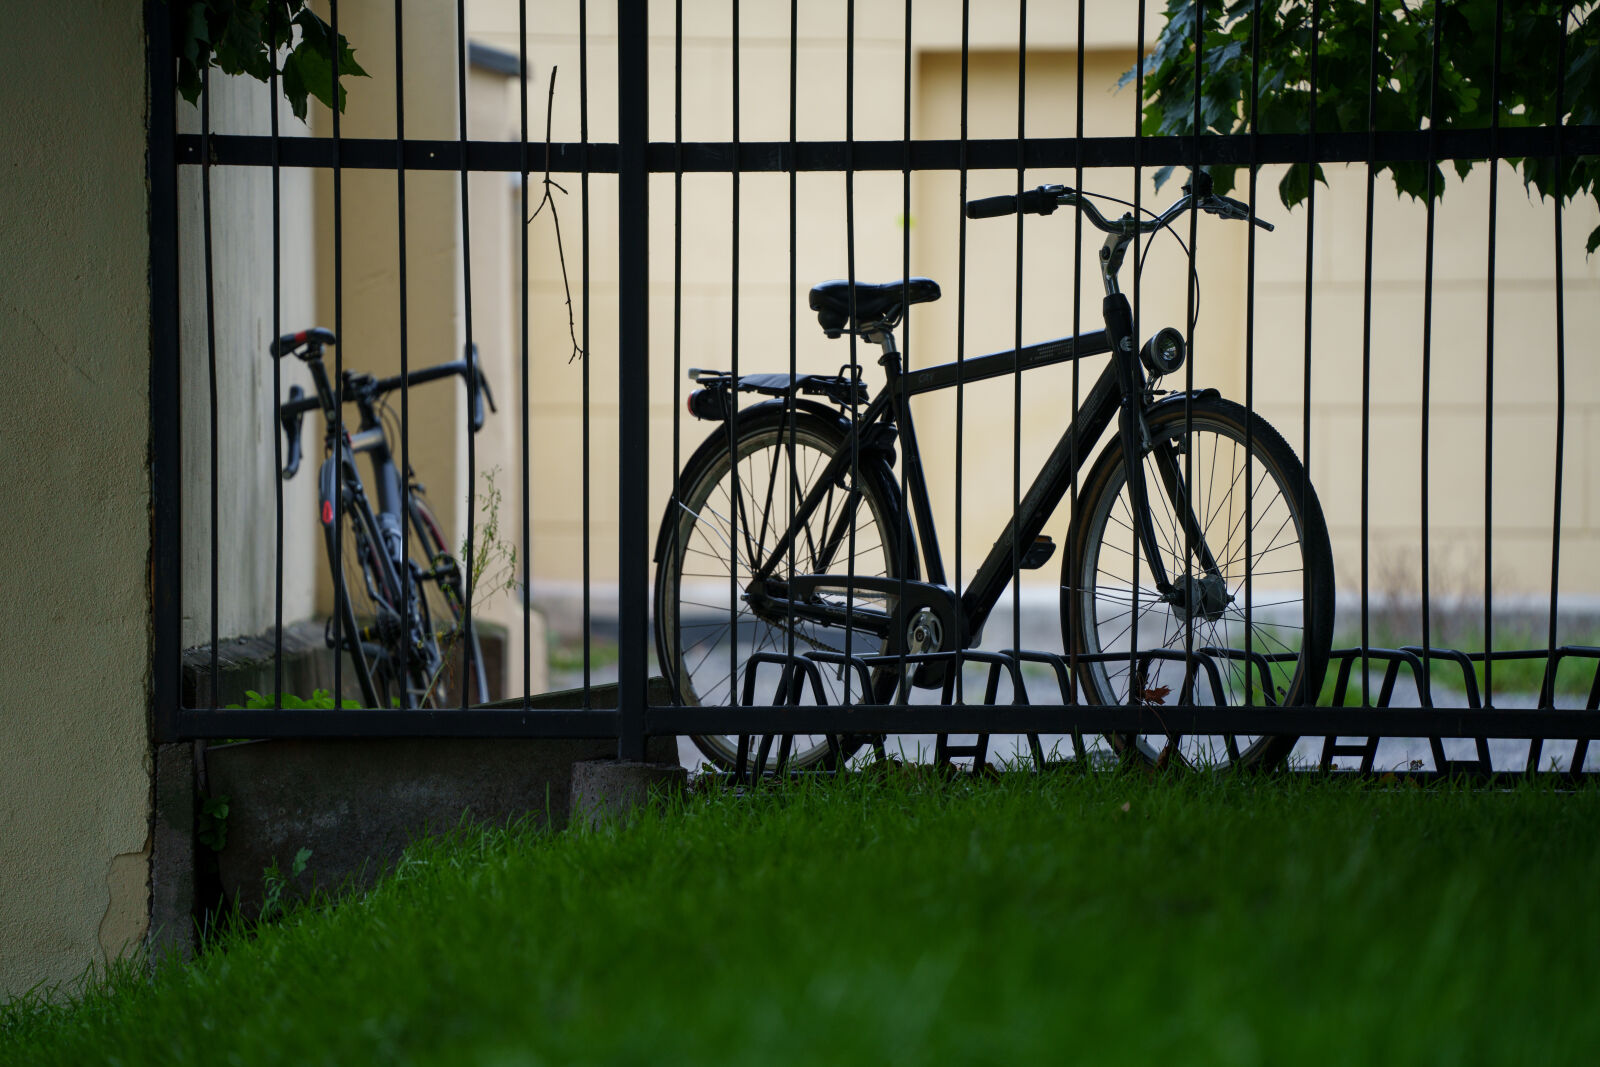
[[1251, 625], [367, 624], [733, 509], [451, 648]]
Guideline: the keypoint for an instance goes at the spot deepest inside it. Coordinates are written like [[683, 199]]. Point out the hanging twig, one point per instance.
[[555, 218]]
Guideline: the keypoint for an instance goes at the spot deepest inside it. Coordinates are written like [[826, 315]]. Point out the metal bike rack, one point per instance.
[[757, 759]]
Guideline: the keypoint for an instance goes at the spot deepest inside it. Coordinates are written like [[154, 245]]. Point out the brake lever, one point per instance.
[[291, 429], [483, 383], [1229, 208]]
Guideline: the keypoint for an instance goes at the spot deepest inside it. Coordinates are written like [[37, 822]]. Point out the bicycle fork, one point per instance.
[[1136, 444]]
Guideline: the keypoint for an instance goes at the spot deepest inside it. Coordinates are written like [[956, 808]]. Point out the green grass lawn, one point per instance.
[[1107, 918]]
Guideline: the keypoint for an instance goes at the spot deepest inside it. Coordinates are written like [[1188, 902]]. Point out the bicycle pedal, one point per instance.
[[1038, 554]]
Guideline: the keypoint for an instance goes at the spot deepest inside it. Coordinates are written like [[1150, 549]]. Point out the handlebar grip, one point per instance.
[[1040, 201], [291, 341], [991, 207], [290, 418]]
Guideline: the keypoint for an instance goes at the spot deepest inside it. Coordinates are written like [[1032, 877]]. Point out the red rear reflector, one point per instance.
[[327, 513]]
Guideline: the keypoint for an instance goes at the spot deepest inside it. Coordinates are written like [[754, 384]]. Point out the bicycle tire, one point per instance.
[[440, 595], [705, 633], [1289, 619], [363, 587]]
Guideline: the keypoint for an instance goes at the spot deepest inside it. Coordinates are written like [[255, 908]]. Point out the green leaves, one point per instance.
[[1273, 53], [212, 826], [249, 36], [320, 700]]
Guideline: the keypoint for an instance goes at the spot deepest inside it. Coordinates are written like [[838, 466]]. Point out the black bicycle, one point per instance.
[[399, 596], [1200, 575]]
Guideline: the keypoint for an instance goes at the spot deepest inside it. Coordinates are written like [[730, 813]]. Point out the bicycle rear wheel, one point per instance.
[[1259, 627], [730, 512]]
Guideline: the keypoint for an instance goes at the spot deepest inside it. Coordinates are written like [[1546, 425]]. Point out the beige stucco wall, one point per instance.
[[245, 417], [1524, 341], [74, 428]]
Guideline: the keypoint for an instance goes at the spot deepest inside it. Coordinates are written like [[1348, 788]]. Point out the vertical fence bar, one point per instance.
[[166, 441], [468, 668], [791, 400], [1231, 742], [1427, 361], [583, 180], [277, 391], [211, 377], [1138, 211], [902, 529], [1561, 387], [735, 483], [402, 309], [633, 366], [1072, 638], [523, 325], [1366, 348], [1328, 742], [961, 308], [1016, 339], [850, 275], [1488, 399], [674, 643], [1191, 282], [336, 558]]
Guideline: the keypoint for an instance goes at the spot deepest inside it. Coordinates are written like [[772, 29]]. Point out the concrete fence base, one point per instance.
[[609, 791], [356, 804]]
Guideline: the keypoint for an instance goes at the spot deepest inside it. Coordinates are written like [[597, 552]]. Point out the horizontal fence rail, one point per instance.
[[839, 659]]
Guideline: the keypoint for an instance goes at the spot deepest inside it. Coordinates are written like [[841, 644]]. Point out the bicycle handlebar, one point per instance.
[[312, 339], [293, 410], [1045, 199]]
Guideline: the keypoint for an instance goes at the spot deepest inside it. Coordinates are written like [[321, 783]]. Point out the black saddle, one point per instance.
[[874, 304]]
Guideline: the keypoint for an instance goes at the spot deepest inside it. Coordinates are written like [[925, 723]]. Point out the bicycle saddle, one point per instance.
[[873, 303]]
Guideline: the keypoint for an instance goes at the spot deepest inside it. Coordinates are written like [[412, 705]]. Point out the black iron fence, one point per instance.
[[898, 680]]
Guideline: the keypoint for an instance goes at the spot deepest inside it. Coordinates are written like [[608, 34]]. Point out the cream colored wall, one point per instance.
[[246, 411], [74, 429], [1524, 409], [495, 209]]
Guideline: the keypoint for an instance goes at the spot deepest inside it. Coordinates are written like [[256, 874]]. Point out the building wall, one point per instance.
[[243, 322], [74, 432]]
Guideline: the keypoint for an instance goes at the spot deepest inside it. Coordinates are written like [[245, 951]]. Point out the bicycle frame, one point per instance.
[[1121, 391]]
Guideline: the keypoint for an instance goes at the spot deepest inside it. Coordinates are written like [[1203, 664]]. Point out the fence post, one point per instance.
[[166, 565], [633, 366]]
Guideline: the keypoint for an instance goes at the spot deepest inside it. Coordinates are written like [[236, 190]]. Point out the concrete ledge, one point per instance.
[[611, 791], [245, 663], [356, 804]]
